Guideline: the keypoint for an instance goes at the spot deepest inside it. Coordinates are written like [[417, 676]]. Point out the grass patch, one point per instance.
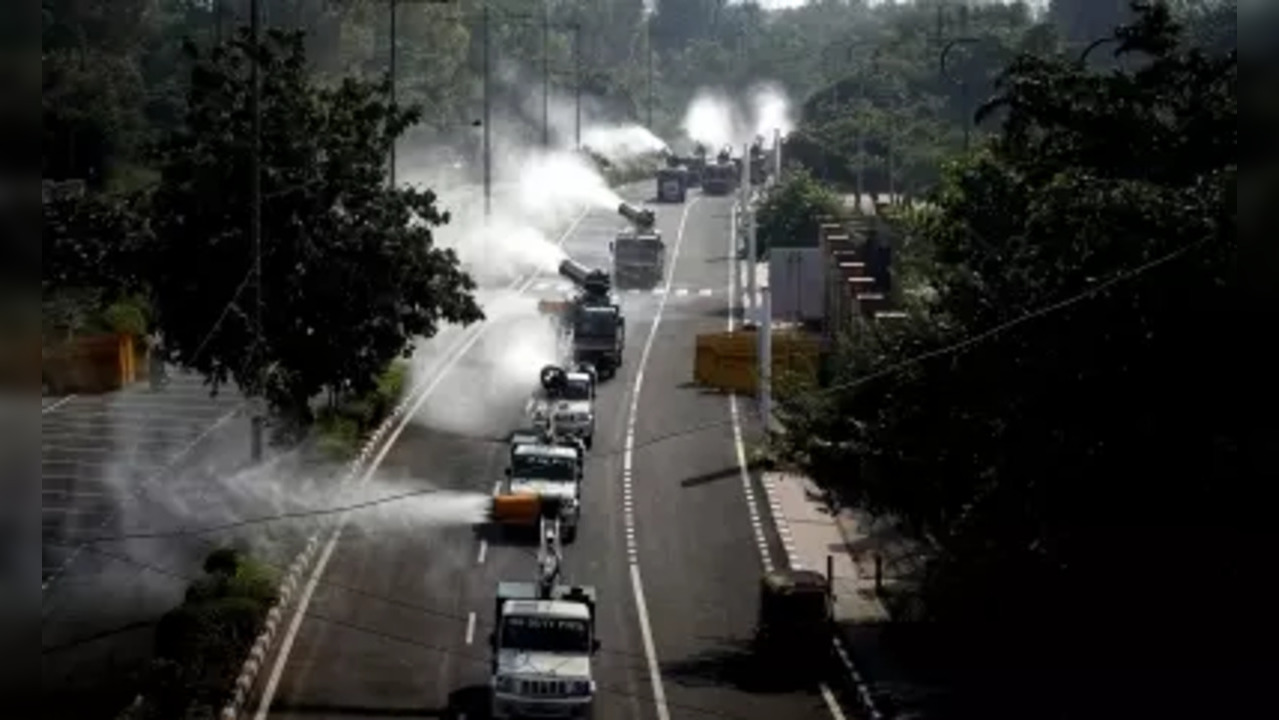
[[201, 645], [343, 427]]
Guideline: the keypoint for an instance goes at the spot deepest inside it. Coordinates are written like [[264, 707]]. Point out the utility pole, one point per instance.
[[777, 155], [546, 73], [217, 19], [394, 8], [488, 133], [255, 209], [648, 42], [577, 84], [963, 85], [766, 359], [751, 248]]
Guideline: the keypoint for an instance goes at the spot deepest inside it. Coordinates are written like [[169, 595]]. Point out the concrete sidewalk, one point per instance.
[[846, 544]]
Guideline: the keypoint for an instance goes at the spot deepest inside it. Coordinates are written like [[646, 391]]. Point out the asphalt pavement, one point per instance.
[[398, 621]]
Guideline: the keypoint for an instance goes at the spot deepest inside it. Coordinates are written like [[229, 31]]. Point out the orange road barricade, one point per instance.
[[729, 361]]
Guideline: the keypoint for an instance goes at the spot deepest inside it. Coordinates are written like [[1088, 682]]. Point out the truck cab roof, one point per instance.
[[565, 609], [541, 450], [561, 596]]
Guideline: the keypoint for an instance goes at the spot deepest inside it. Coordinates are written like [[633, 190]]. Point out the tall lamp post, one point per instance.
[[963, 85], [1083, 56], [255, 210], [392, 64]]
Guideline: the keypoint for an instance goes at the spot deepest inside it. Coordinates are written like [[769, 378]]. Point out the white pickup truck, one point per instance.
[[542, 649], [568, 408]]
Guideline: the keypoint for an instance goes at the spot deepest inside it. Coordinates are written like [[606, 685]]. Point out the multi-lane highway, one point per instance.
[[396, 619]]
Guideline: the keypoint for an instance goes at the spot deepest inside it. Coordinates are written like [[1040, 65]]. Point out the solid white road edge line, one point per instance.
[[760, 539], [632, 549], [299, 612], [54, 406], [757, 525], [831, 703]]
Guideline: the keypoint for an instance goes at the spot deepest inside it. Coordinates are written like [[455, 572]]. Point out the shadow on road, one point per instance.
[[733, 664], [368, 711], [711, 477], [469, 702], [725, 474]]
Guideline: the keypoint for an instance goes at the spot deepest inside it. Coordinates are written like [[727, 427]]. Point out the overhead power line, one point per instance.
[[476, 658]]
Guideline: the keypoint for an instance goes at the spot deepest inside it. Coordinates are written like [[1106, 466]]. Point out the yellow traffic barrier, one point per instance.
[[729, 361]]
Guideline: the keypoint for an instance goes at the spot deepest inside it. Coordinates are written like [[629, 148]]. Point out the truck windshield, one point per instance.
[[542, 467], [542, 634], [642, 249], [577, 390], [595, 324]]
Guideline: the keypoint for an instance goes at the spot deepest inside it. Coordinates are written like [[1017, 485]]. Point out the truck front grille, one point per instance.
[[544, 688]]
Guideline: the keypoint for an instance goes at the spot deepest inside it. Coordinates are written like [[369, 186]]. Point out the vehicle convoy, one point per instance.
[[639, 254], [695, 164], [544, 639], [672, 184], [721, 177], [565, 405], [592, 320]]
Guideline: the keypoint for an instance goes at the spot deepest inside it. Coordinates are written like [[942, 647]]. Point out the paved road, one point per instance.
[[399, 619]]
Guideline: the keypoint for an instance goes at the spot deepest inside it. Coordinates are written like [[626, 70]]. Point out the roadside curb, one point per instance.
[[292, 579]]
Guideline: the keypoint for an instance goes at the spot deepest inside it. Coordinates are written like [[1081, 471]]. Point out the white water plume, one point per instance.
[[715, 120], [559, 178], [487, 387], [619, 143], [712, 120], [771, 109]]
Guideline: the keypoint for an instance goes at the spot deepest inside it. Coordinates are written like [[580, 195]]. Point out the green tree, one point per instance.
[[788, 216], [349, 272], [1053, 462]]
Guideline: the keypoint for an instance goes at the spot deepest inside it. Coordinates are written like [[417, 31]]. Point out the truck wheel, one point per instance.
[[570, 533], [590, 441]]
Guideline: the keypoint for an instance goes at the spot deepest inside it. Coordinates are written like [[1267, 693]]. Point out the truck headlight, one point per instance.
[[582, 687], [504, 684]]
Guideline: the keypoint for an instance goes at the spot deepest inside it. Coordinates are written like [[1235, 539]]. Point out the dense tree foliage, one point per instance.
[[791, 210], [1059, 431], [351, 276]]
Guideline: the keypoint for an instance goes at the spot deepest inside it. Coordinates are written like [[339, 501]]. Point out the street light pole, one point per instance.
[[963, 85], [1083, 56], [394, 13], [488, 135], [255, 207], [577, 84], [546, 73], [648, 44]]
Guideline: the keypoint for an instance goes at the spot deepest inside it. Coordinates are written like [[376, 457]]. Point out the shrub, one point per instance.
[[127, 316], [201, 644]]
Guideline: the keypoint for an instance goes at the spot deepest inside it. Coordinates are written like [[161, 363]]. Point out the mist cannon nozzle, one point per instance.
[[593, 282], [643, 220]]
